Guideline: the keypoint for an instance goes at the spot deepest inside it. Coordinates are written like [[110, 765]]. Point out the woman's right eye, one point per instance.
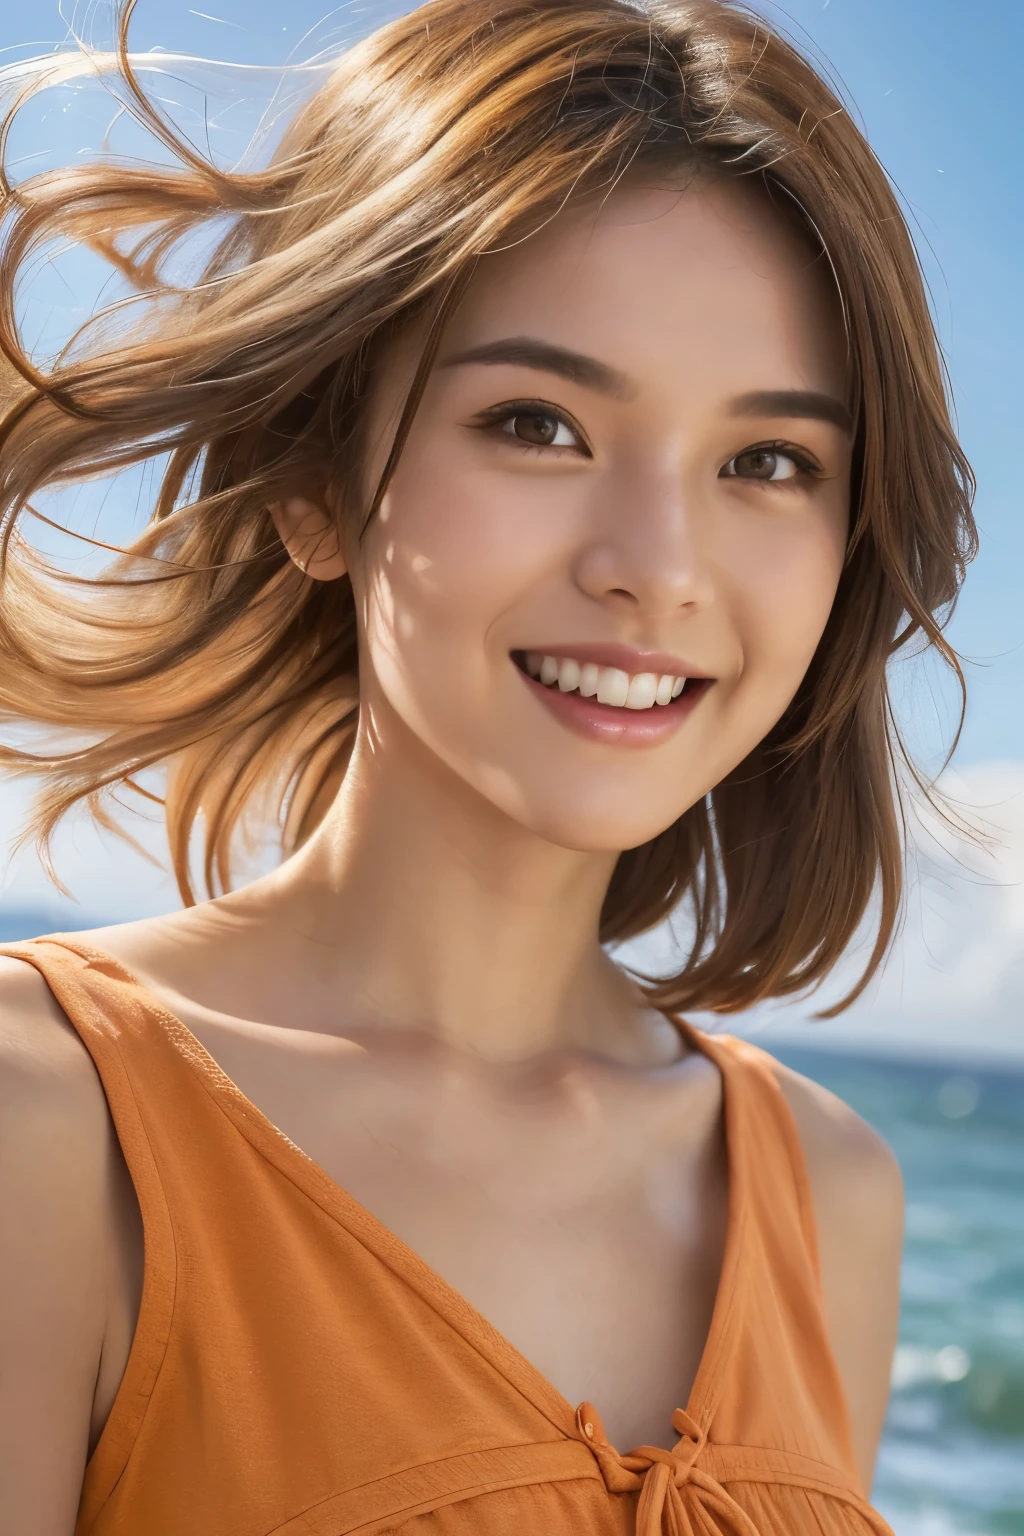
[[541, 429], [533, 425]]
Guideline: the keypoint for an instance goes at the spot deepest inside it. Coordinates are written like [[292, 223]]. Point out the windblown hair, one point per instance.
[[431, 142]]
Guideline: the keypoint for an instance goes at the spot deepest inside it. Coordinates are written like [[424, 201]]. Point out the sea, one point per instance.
[[952, 1455]]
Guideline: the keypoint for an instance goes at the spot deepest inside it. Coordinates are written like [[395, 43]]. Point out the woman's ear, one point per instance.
[[312, 536]]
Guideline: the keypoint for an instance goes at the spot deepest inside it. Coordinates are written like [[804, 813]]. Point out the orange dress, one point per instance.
[[298, 1371]]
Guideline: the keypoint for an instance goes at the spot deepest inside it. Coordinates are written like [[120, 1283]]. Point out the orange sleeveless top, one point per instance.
[[298, 1371]]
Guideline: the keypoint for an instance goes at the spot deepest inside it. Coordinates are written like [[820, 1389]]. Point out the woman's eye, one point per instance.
[[768, 462], [541, 429], [534, 426]]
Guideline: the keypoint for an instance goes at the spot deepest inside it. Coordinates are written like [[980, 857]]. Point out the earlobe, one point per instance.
[[312, 536]]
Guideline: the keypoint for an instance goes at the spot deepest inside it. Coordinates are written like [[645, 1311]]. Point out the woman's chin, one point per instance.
[[597, 826]]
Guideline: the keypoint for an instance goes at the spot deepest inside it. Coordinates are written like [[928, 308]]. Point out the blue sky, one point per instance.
[[937, 85]]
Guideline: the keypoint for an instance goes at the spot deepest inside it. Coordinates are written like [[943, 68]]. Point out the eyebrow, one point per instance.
[[808, 404], [528, 352], [578, 368]]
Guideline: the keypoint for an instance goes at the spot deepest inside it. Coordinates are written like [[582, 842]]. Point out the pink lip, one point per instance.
[[625, 657], [612, 725]]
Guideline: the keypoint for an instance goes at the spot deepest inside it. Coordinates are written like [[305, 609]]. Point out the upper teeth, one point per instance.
[[639, 690]]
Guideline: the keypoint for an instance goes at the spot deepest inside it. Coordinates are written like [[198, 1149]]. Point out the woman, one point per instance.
[[554, 453]]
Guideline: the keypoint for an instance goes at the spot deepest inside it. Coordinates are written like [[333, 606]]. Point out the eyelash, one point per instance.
[[499, 415], [806, 467]]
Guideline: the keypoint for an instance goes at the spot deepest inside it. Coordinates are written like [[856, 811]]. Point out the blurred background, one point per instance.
[[933, 1055]]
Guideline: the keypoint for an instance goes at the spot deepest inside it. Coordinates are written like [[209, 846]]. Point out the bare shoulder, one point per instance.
[[54, 1123], [53, 1112], [847, 1160], [55, 1132], [43, 1064], [56, 1194], [857, 1194]]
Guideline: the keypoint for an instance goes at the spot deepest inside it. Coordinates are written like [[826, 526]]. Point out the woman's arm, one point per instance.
[[58, 1190], [857, 1191]]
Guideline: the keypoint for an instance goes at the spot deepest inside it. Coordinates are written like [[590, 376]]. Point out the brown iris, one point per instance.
[[537, 427]]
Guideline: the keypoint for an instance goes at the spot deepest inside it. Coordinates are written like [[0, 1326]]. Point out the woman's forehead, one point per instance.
[[665, 280]]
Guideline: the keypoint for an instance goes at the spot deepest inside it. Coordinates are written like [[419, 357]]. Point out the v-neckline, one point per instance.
[[311, 1177]]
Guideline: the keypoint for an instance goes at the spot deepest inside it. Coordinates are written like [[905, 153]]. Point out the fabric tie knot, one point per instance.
[[676, 1497]]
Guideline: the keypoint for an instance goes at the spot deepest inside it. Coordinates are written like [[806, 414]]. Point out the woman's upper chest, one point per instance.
[[578, 1206]]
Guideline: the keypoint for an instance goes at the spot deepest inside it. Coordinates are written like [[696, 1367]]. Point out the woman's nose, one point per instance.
[[648, 552]]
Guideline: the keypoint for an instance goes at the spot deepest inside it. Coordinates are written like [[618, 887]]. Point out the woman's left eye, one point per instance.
[[769, 462]]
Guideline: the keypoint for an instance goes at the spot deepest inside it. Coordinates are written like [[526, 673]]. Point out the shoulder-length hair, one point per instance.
[[430, 143]]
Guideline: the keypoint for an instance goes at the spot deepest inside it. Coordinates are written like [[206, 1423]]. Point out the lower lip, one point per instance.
[[616, 726]]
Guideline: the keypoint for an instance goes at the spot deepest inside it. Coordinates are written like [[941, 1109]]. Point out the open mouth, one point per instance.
[[609, 686]]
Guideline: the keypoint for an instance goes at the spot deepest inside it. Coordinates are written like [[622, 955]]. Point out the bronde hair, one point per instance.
[[443, 135]]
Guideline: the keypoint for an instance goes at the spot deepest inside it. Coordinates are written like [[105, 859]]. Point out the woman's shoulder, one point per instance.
[[45, 1070], [60, 1164], [56, 1137], [846, 1158], [59, 1205], [843, 1151], [136, 949]]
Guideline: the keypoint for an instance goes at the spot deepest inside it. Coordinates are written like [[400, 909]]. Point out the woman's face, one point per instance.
[[630, 468]]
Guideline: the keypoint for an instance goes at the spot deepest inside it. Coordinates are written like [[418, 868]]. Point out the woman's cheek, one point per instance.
[[435, 582], [783, 602], [464, 549]]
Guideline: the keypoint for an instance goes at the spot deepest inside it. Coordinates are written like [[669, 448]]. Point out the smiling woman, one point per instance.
[[556, 453]]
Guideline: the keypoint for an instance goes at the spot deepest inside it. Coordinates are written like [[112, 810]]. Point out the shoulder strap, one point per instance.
[[777, 1173], [121, 1025], [130, 1036], [781, 1384], [159, 1082]]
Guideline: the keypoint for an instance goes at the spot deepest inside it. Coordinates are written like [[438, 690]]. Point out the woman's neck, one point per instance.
[[417, 903]]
